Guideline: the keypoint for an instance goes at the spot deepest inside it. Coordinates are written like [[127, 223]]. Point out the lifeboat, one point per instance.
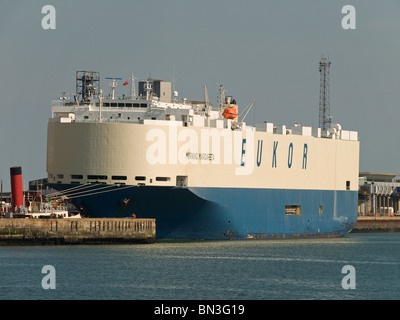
[[230, 112]]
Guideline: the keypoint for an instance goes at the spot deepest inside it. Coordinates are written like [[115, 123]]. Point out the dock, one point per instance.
[[377, 224], [77, 231]]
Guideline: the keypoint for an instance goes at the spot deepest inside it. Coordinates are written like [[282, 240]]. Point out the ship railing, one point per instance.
[[57, 103], [96, 120]]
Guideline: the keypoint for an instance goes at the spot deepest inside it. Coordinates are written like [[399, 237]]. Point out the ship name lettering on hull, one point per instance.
[[290, 155], [213, 146]]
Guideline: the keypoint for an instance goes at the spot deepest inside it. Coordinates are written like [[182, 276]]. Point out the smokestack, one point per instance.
[[17, 196]]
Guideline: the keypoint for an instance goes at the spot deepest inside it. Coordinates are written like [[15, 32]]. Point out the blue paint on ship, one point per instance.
[[220, 213]]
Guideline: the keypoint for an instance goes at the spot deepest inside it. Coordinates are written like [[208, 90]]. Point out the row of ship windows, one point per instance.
[[103, 177], [122, 105]]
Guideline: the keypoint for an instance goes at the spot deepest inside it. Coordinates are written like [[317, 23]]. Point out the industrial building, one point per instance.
[[379, 194]]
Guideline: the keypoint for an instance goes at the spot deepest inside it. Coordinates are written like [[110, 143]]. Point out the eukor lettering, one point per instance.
[[259, 152], [243, 152], [305, 150], [247, 162], [290, 155], [217, 147], [274, 154]]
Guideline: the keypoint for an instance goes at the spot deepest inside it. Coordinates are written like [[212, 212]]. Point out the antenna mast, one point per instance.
[[221, 98], [133, 91], [148, 87], [113, 85], [324, 106], [207, 102]]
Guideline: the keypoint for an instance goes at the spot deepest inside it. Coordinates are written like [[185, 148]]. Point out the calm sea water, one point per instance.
[[239, 270]]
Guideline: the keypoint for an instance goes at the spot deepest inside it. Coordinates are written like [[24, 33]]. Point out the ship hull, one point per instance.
[[202, 177], [225, 213]]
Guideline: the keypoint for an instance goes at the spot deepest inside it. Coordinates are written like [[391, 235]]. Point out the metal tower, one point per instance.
[[87, 84], [324, 112], [221, 98]]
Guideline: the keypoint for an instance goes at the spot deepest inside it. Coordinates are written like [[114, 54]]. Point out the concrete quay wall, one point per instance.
[[377, 224], [77, 231]]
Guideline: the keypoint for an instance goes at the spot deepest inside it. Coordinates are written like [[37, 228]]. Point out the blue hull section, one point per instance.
[[220, 213]]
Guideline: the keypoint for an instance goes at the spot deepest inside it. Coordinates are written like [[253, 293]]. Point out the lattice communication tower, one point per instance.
[[324, 105]]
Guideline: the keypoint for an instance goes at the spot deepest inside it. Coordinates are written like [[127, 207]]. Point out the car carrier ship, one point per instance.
[[202, 173]]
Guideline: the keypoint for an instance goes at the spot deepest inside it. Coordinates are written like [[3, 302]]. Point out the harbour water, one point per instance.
[[228, 270]]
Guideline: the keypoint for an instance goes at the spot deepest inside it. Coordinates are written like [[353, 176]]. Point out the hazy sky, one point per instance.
[[267, 50]]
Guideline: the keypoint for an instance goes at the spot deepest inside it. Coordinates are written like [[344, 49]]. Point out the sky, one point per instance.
[[258, 49]]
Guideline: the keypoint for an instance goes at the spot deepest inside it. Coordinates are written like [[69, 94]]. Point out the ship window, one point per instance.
[[76, 176], [347, 185], [293, 209], [163, 179], [129, 105], [136, 105], [143, 105], [121, 105], [60, 176], [97, 177], [140, 178], [119, 177], [113, 104], [106, 104]]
